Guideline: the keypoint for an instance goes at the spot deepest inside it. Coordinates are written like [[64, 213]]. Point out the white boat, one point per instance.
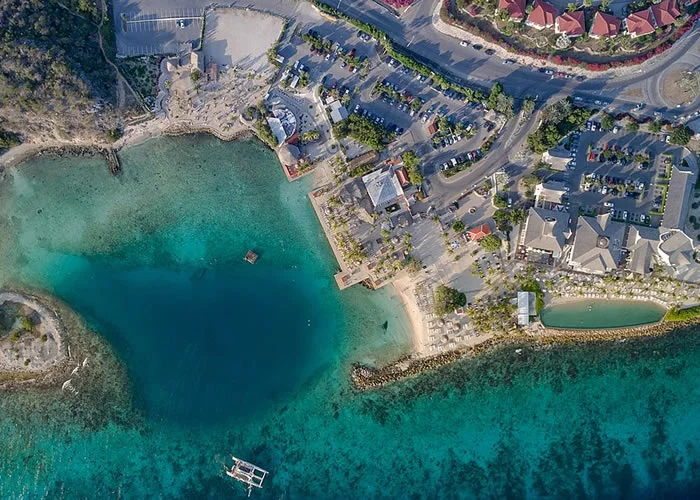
[[247, 473]]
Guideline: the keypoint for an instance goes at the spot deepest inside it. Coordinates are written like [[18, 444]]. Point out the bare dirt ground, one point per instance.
[[681, 86], [240, 38]]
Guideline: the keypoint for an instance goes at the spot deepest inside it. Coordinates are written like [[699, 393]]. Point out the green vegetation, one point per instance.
[[677, 314], [195, 75], [362, 129], [506, 219], [415, 103], [500, 101], [448, 299], [360, 170], [142, 73], [558, 120], [310, 136], [458, 226], [681, 135], [490, 243], [500, 201], [410, 161], [655, 127], [9, 139], [607, 122], [25, 323], [632, 127], [528, 107], [52, 70], [263, 128]]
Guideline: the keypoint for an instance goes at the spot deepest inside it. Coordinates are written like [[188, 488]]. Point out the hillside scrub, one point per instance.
[[53, 77]]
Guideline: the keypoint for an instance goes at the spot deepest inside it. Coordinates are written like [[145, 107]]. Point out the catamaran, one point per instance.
[[247, 473]]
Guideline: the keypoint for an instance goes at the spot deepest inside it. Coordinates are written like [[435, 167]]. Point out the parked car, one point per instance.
[[464, 43]]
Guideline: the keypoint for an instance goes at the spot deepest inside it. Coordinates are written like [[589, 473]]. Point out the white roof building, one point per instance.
[[551, 192], [338, 111], [383, 187]]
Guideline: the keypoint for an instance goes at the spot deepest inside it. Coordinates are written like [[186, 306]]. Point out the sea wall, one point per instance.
[[364, 377]]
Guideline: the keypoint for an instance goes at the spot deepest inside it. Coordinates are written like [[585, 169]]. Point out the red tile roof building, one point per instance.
[[571, 23], [402, 176], [665, 12], [605, 25], [475, 234], [640, 23], [542, 16], [515, 8]]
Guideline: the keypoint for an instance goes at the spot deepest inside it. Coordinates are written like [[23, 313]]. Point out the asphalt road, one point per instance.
[[415, 30]]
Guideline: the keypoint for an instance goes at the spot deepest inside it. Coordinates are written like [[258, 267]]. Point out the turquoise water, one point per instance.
[[223, 357], [590, 314]]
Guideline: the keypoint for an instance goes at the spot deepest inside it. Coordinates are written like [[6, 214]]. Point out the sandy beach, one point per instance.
[[404, 287]]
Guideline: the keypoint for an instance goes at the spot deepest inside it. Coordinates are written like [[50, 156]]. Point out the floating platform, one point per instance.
[[247, 473], [251, 257]]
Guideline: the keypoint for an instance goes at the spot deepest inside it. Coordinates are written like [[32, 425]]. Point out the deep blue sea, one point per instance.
[[222, 357]]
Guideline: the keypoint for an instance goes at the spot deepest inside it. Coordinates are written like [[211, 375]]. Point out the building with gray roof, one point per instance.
[[642, 244], [546, 231], [550, 192], [677, 253], [597, 244], [678, 197]]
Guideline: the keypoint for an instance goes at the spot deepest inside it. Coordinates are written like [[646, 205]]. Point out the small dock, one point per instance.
[[251, 257]]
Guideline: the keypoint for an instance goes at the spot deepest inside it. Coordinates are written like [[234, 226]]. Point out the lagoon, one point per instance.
[[600, 314], [153, 261]]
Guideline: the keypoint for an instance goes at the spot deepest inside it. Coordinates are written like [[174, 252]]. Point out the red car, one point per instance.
[[351, 68]]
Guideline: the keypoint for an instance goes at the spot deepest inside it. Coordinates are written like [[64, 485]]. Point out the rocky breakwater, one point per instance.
[[553, 335], [365, 377], [109, 154]]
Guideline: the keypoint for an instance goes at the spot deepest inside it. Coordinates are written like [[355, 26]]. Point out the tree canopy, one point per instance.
[[499, 101], [448, 299], [681, 135], [490, 243], [558, 120], [362, 129], [411, 162]]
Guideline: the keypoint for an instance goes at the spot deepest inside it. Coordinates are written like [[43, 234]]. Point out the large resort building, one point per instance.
[[545, 235], [598, 244]]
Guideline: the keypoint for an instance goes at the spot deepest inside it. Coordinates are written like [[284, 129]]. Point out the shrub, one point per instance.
[[458, 226], [448, 299], [490, 243]]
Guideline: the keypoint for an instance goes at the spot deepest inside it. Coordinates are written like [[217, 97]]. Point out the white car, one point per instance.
[[464, 43], [609, 204]]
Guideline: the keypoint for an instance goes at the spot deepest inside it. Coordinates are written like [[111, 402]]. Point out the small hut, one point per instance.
[[251, 257]]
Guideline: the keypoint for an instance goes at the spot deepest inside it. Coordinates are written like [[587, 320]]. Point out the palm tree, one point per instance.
[[571, 7]]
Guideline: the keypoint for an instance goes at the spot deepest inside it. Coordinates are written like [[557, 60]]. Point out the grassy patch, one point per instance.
[[677, 314]]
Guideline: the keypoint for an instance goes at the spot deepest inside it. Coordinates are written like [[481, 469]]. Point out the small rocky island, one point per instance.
[[30, 335]]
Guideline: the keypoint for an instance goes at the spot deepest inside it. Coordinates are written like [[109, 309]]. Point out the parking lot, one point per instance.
[[158, 31], [410, 123], [616, 181]]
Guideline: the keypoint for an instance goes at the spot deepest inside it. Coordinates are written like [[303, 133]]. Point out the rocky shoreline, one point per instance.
[[366, 378], [109, 154]]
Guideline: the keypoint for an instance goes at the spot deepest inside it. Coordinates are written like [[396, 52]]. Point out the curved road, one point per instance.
[[415, 30]]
